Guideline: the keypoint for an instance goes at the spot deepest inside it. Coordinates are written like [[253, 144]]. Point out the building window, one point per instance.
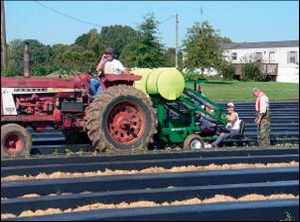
[[258, 56], [292, 57], [271, 56], [233, 56]]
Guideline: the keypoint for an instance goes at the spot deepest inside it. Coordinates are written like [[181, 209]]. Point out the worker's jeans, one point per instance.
[[225, 134], [263, 132], [95, 87]]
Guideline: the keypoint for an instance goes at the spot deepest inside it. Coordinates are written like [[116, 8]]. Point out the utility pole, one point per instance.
[[176, 49], [3, 37], [26, 60]]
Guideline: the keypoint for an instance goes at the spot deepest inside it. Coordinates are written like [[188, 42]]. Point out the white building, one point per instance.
[[279, 58]]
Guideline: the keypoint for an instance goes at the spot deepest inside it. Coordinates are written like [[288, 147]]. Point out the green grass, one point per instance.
[[236, 91]]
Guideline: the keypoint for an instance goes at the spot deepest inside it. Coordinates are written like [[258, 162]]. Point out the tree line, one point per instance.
[[141, 47]]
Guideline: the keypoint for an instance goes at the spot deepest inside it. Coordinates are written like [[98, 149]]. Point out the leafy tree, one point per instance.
[[39, 54], [80, 56], [170, 57], [15, 52], [127, 56], [79, 61], [60, 49], [225, 40], [89, 59], [117, 37], [11, 68], [203, 48], [146, 51], [89, 41], [83, 40]]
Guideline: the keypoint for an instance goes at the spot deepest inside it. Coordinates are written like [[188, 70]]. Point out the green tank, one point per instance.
[[167, 82]]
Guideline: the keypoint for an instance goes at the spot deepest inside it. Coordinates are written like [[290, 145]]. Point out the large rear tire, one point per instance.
[[121, 117], [15, 140]]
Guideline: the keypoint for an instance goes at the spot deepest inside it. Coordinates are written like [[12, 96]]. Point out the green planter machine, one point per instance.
[[179, 108]]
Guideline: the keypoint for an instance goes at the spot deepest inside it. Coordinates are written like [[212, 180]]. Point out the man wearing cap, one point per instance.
[[263, 119], [107, 65], [232, 128]]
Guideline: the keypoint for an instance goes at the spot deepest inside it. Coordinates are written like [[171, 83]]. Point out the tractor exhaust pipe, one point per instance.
[[26, 60]]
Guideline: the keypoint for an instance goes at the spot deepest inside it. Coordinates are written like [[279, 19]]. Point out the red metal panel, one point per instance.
[[26, 118], [21, 82]]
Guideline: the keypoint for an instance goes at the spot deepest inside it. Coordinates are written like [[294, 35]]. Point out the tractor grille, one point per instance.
[[72, 106]]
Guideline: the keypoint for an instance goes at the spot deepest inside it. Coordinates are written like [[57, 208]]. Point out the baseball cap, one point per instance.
[[230, 104], [109, 51]]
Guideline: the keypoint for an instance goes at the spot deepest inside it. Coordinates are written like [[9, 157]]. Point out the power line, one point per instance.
[[165, 20], [68, 16], [81, 21]]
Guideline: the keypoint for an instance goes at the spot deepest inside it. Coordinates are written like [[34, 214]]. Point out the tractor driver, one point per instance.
[[107, 65]]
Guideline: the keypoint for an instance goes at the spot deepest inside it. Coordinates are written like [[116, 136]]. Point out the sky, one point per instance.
[[54, 22]]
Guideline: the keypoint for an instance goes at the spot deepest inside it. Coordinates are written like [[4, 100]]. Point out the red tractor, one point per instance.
[[121, 117]]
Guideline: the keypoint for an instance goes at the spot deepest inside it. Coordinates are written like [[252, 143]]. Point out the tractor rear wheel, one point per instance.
[[121, 117], [193, 142], [15, 140]]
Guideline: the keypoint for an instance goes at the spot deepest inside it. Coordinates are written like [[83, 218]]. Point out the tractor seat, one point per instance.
[[109, 80], [122, 77], [241, 132]]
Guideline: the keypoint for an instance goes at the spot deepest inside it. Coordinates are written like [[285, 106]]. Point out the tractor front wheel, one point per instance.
[[15, 140], [193, 142]]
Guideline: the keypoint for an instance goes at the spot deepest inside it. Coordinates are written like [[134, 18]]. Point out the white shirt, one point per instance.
[[234, 125], [113, 67], [262, 103]]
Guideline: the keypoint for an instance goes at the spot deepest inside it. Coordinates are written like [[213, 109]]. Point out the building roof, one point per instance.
[[273, 44]]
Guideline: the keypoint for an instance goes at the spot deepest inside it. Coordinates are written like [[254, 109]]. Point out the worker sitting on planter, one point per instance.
[[232, 128]]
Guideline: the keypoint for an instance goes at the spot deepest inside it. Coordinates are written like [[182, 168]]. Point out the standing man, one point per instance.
[[263, 120]]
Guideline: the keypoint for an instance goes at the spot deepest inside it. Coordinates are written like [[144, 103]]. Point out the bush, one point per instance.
[[193, 76], [41, 71], [252, 72], [228, 72]]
